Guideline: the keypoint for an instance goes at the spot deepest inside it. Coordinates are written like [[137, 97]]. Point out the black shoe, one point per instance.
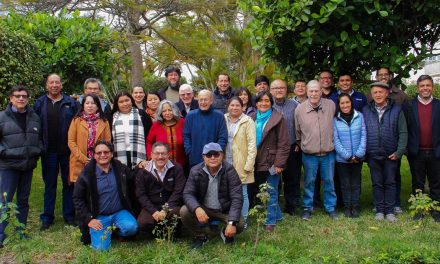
[[355, 212], [71, 223], [436, 216], [306, 215], [226, 240], [347, 212], [290, 211], [199, 242], [417, 217], [45, 226]]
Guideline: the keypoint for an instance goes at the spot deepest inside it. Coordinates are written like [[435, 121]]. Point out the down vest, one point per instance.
[[19, 150]]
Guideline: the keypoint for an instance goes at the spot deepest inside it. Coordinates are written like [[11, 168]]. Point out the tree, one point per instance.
[[305, 36]]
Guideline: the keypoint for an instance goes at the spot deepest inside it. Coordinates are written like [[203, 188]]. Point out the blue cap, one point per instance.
[[211, 147]]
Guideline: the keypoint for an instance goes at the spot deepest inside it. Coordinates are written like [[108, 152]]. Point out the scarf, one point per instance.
[[260, 122], [151, 113], [347, 117], [92, 125], [136, 138]]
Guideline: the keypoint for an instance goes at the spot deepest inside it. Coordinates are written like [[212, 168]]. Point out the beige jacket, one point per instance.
[[244, 148], [314, 129]]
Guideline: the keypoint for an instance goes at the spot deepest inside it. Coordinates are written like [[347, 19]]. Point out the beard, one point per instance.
[[174, 86]]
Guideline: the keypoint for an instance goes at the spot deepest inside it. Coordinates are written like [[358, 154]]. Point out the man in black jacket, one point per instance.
[[102, 198], [160, 183], [187, 102], [212, 193], [20, 147]]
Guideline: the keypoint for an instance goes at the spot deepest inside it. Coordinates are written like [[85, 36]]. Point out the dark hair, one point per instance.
[[338, 109], [246, 90], [236, 98], [103, 142], [18, 88], [383, 67], [153, 93], [92, 80], [225, 74], [263, 93], [160, 144], [326, 70], [171, 69], [97, 102], [345, 73], [423, 78], [116, 99], [261, 78], [303, 81]]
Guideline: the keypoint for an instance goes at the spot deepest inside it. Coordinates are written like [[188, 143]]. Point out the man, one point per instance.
[[386, 142], [56, 111], [326, 82], [223, 92], [345, 84], [93, 86], [292, 173], [300, 91], [162, 181], [171, 92], [212, 193], [423, 117], [202, 126], [261, 83], [102, 199], [20, 147], [314, 135], [383, 74], [187, 101]]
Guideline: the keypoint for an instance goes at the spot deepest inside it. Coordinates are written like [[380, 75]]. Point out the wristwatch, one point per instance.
[[233, 223]]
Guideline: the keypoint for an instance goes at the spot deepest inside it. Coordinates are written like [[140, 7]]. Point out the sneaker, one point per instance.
[[306, 215], [374, 210], [355, 212], [245, 225], [199, 242], [347, 213], [45, 226], [436, 216], [333, 215], [226, 240], [398, 210], [379, 217], [391, 218], [270, 228]]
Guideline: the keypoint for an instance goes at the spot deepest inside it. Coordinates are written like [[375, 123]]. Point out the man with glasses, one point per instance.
[[20, 148], [162, 181], [383, 74], [187, 102], [93, 86], [326, 82], [212, 193], [101, 197]]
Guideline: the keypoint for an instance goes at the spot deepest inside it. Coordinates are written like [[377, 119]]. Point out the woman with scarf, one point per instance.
[[153, 100], [86, 128], [350, 138], [130, 127], [272, 152]]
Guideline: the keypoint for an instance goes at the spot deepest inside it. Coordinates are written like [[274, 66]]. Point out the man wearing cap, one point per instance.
[[223, 92], [187, 102], [212, 193], [171, 92], [386, 142], [383, 74]]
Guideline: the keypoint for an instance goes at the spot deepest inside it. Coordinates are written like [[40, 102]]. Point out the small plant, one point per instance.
[[165, 229], [260, 210], [107, 232], [421, 205]]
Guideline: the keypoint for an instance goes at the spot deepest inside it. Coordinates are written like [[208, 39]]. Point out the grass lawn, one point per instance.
[[320, 240]]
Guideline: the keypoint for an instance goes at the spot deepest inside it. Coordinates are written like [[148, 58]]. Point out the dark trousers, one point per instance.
[[397, 203], [426, 165], [292, 180], [350, 177], [190, 221], [10, 182], [51, 164], [383, 177], [147, 223]]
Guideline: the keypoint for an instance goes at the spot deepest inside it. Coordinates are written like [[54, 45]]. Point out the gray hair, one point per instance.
[[92, 80], [313, 84], [185, 87], [174, 108]]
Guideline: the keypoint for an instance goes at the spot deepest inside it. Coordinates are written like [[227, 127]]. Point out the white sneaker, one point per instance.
[[379, 217], [398, 210], [391, 218]]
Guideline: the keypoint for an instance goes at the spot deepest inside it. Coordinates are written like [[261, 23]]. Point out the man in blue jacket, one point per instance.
[[56, 111], [20, 148], [345, 85]]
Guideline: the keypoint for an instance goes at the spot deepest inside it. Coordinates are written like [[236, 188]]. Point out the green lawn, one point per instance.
[[320, 240]]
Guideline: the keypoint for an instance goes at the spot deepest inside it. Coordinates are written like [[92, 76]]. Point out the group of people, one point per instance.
[[157, 155]]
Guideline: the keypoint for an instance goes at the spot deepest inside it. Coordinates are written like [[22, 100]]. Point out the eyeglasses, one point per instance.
[[278, 88], [212, 154], [186, 94], [105, 153], [18, 96], [159, 154]]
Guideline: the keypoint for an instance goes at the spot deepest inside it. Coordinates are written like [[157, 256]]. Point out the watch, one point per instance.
[[233, 223]]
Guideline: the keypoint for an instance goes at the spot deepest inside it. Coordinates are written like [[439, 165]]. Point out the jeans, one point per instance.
[[426, 165], [245, 208], [326, 165], [292, 179], [124, 222], [273, 207], [11, 181], [383, 177], [51, 164], [350, 177]]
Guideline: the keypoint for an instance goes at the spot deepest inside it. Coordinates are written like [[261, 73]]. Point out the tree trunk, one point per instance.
[[137, 68]]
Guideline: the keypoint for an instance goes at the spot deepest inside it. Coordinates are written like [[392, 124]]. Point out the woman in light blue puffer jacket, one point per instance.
[[350, 139]]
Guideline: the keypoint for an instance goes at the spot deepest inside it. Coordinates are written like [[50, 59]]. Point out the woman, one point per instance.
[[272, 152], [138, 94], [241, 148], [86, 128], [168, 129], [130, 128], [153, 100], [246, 98], [350, 139]]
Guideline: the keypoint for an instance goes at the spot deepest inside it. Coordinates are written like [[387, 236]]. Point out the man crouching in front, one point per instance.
[[101, 197], [212, 194]]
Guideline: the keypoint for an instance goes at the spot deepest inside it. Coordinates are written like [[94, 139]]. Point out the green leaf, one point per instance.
[[344, 35], [256, 9], [355, 27], [383, 13]]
